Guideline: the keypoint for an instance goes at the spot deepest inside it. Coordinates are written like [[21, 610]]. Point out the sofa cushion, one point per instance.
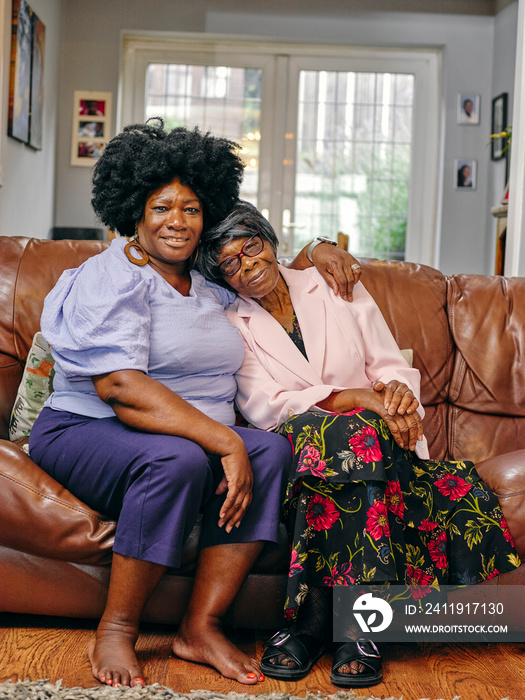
[[36, 386], [487, 320]]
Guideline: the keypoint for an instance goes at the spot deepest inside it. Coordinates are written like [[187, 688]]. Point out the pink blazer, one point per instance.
[[349, 345]]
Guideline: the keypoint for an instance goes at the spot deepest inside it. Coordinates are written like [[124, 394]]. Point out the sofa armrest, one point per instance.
[[505, 475], [38, 516]]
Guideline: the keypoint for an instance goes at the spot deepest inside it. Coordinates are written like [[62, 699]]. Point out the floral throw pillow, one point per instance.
[[35, 387]]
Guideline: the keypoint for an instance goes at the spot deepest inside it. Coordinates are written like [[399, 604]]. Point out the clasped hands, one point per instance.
[[394, 402], [400, 412]]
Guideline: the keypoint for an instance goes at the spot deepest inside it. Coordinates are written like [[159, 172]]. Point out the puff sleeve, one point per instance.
[[97, 319]]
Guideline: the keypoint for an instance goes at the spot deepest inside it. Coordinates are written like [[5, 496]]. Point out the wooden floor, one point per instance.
[[42, 647]]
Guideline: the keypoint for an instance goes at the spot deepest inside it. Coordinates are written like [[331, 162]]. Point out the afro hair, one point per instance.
[[144, 157]]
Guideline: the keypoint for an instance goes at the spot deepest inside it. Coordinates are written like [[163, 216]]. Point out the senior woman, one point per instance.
[[364, 503], [141, 421]]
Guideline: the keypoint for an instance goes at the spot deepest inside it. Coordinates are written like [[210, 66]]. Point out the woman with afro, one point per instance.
[[141, 421]]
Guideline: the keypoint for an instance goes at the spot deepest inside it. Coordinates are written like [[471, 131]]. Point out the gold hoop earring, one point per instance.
[[144, 257]]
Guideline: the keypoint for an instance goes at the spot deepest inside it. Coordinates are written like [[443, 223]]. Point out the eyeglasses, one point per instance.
[[232, 264]]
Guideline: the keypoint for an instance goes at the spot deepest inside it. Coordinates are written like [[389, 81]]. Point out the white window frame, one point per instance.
[[139, 49]]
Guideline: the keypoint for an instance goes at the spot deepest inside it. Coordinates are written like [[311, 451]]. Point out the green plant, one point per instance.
[[505, 134]]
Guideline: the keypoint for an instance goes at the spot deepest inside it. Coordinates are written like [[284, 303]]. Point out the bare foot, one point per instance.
[[112, 656], [206, 644]]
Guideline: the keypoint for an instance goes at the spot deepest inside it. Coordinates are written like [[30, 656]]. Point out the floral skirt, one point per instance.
[[360, 509]]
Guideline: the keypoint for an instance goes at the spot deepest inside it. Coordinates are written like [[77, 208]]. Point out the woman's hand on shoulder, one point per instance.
[[340, 270], [237, 482]]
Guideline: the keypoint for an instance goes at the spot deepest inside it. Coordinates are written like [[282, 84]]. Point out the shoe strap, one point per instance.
[[279, 638], [300, 648], [362, 644]]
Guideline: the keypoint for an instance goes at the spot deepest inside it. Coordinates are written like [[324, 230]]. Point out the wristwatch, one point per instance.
[[315, 242]]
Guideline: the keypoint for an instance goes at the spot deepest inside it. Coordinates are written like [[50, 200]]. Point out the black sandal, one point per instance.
[[302, 649], [365, 652]]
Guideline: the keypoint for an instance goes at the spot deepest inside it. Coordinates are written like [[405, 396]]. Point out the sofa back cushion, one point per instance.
[[487, 390]]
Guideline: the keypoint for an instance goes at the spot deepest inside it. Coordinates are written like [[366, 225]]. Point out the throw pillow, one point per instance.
[[36, 386], [408, 354]]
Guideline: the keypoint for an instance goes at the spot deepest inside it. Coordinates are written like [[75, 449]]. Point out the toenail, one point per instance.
[[140, 679], [262, 678], [251, 675]]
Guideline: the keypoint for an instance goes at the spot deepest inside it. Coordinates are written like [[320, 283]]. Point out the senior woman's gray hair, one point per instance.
[[245, 220]]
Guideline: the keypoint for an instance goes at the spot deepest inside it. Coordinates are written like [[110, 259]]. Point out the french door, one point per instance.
[[333, 138]]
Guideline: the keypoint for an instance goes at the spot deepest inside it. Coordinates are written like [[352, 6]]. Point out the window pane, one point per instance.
[[353, 159], [220, 99]]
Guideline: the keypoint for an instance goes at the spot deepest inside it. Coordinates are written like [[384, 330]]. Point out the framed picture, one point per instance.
[[26, 78], [465, 175], [91, 125], [20, 72], [499, 123], [468, 109], [38, 43]]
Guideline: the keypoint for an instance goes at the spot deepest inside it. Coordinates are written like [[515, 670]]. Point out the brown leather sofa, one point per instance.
[[467, 333]]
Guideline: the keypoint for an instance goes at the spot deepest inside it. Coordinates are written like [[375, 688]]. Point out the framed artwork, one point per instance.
[[468, 109], [26, 78], [465, 174], [20, 72], [499, 123], [36, 109], [91, 124]]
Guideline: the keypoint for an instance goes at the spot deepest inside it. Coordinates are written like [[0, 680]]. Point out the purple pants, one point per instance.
[[156, 485]]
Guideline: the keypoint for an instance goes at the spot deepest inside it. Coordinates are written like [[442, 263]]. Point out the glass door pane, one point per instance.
[[353, 158], [222, 99]]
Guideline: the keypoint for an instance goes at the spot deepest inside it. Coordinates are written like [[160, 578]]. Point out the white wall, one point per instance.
[[90, 61], [27, 193]]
